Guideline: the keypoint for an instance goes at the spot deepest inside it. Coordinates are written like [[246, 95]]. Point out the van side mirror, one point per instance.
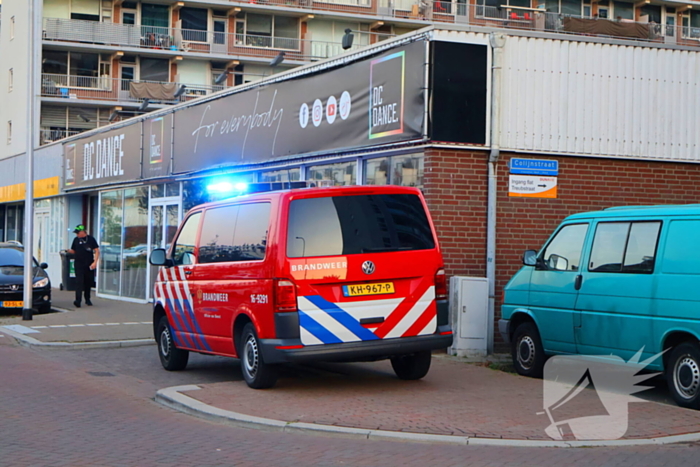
[[530, 258], [159, 258], [558, 263], [43, 266]]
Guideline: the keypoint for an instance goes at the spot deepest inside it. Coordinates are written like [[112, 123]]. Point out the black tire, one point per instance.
[[413, 366], [172, 358], [527, 351], [43, 309], [683, 375], [257, 373]]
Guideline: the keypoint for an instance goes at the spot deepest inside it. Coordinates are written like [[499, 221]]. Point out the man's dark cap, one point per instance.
[[79, 228]]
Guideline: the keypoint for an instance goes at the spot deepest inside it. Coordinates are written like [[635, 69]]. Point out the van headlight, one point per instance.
[[41, 283]]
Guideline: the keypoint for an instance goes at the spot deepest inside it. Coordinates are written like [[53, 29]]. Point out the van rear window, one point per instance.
[[347, 225]]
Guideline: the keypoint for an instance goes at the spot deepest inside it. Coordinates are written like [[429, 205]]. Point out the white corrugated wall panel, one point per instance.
[[568, 97]]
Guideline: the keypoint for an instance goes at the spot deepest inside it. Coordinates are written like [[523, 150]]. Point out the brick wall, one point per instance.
[[456, 192]]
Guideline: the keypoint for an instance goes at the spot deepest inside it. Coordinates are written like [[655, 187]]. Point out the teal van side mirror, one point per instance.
[[530, 258]]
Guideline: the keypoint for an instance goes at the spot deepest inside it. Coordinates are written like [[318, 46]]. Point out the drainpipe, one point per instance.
[[497, 41]]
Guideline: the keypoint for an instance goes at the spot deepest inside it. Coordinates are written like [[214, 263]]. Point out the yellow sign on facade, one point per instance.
[[42, 189]]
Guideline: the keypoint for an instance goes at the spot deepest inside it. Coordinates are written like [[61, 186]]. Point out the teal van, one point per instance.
[[613, 282]]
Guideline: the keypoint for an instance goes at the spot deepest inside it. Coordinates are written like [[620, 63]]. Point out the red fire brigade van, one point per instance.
[[301, 275]]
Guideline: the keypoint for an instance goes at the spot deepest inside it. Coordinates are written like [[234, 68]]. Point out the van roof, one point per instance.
[[641, 211], [316, 192]]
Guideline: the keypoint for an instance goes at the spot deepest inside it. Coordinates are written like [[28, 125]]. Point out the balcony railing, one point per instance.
[[188, 40], [537, 20], [120, 90], [47, 136]]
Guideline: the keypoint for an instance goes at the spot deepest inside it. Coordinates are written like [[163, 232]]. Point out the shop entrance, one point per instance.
[[164, 214]]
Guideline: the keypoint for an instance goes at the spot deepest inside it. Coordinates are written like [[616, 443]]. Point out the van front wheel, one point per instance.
[[172, 358], [527, 351], [414, 366], [683, 375], [257, 373]]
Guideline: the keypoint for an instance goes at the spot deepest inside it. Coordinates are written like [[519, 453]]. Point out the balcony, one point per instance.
[[537, 20], [47, 136], [187, 40], [119, 90]]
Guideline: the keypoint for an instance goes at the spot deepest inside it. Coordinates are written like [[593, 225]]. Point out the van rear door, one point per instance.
[[365, 267]]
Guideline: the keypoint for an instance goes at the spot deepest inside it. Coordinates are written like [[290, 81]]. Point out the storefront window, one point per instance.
[[135, 247], [376, 171], [284, 175], [334, 174], [110, 242], [405, 170], [194, 192]]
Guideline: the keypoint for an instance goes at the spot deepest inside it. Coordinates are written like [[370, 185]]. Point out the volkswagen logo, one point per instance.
[[15, 286], [368, 267]]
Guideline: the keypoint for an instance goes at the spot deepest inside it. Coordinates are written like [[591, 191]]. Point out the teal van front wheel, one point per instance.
[[683, 375], [527, 351]]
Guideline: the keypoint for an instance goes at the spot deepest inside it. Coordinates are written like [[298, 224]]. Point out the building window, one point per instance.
[[691, 24], [623, 10], [70, 69], [342, 173], [256, 30], [406, 170], [194, 24], [9, 132], [154, 69], [282, 175], [11, 80], [85, 10]]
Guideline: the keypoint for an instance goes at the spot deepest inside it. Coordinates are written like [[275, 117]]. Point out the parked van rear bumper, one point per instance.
[[290, 350]]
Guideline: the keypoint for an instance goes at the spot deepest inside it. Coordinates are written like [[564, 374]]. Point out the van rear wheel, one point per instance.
[[683, 375], [172, 358], [527, 351], [414, 366], [257, 373]]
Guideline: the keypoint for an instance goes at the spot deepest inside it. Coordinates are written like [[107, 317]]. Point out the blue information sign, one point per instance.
[[534, 167]]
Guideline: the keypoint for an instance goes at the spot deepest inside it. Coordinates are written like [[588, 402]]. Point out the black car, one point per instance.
[[12, 280]]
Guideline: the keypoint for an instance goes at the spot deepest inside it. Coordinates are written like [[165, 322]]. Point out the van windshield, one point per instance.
[[348, 225]]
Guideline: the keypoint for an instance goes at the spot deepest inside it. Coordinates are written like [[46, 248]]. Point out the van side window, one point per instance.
[[564, 251], [624, 247], [184, 245], [235, 233]]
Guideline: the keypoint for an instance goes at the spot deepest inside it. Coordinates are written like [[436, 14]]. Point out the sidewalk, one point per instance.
[[456, 399], [106, 321]]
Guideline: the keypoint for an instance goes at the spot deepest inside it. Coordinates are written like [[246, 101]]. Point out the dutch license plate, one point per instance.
[[13, 304], [368, 289]]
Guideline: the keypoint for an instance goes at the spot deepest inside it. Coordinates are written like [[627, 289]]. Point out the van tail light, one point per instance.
[[440, 285], [285, 296]]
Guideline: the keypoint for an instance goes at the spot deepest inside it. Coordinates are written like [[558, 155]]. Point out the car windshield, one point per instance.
[[11, 257], [346, 225]]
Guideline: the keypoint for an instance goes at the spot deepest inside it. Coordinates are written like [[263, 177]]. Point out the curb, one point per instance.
[[173, 398], [35, 343]]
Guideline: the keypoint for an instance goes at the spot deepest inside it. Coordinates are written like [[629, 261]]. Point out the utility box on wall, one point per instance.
[[469, 300]]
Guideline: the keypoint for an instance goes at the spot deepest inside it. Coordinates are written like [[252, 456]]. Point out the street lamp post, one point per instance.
[[29, 160]]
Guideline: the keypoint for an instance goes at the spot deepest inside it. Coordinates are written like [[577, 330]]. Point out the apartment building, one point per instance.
[[105, 60]]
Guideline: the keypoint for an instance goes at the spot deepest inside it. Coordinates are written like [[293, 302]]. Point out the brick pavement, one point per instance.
[[454, 399], [54, 413]]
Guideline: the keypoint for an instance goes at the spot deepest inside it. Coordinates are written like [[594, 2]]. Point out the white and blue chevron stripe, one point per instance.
[[324, 322]]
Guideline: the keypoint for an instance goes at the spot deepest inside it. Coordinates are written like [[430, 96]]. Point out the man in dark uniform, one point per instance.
[[87, 252]]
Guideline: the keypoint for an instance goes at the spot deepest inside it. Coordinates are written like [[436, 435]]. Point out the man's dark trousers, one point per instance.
[[84, 278]]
